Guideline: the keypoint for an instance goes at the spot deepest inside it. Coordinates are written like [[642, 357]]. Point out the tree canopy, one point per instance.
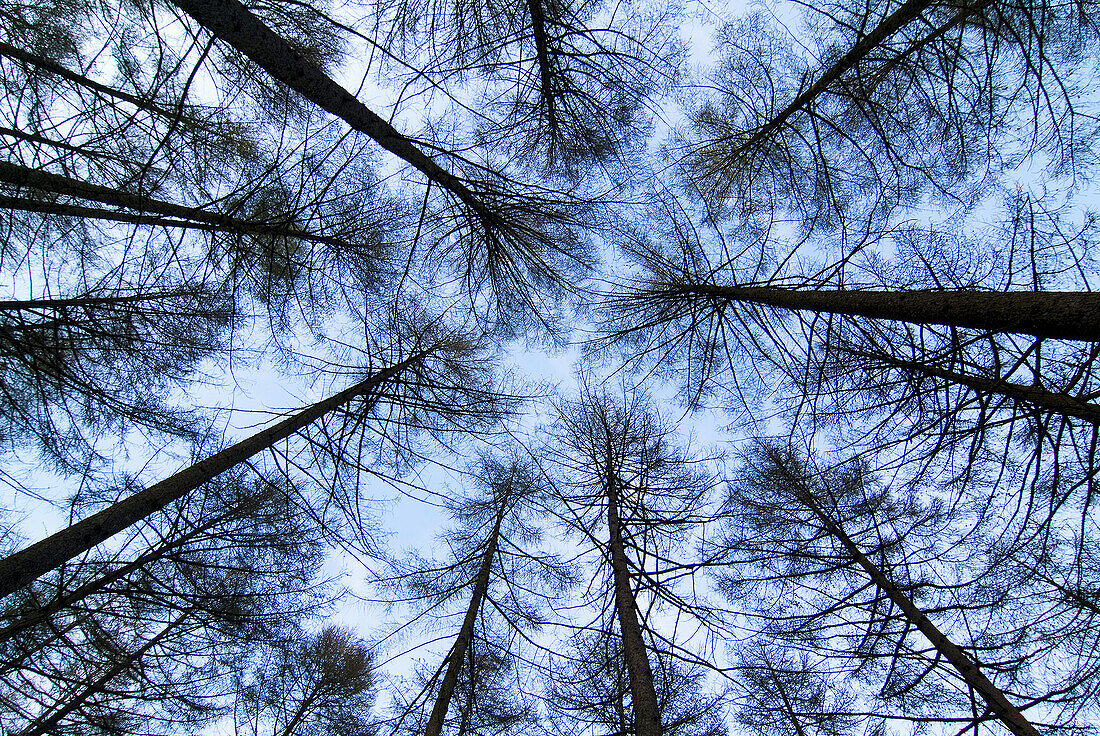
[[564, 367]]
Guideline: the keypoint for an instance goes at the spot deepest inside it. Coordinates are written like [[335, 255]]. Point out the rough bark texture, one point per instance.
[[187, 217], [967, 668], [466, 633], [643, 695], [23, 567], [231, 21], [1060, 315]]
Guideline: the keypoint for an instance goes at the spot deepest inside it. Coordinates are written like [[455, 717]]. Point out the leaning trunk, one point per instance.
[[1060, 315], [1055, 403], [968, 668], [23, 567], [233, 23], [164, 214], [48, 723], [466, 633], [38, 615], [904, 15], [643, 695]]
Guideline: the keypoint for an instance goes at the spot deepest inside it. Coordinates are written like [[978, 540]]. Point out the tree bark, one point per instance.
[[466, 633], [232, 22], [1055, 403], [643, 694], [968, 668], [1060, 315], [46, 724], [23, 567], [187, 217]]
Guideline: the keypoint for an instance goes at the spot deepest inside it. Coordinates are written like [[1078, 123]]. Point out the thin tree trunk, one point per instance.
[[643, 695], [192, 217], [890, 25], [465, 634], [46, 724], [42, 140], [53, 67], [232, 22], [84, 302], [1055, 403], [23, 567], [1060, 315], [788, 706], [301, 712], [542, 53], [968, 668]]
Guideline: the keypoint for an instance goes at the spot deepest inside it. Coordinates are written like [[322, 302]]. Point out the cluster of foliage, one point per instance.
[[860, 243]]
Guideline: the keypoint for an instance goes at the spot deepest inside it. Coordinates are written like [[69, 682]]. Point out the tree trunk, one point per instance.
[[465, 634], [1060, 315], [23, 567], [546, 71], [46, 724], [232, 22], [969, 669], [54, 68], [890, 25], [37, 615], [43, 141], [1055, 403], [643, 695], [188, 217], [85, 302]]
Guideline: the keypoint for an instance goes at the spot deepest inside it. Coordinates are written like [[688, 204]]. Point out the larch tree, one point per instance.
[[864, 232]]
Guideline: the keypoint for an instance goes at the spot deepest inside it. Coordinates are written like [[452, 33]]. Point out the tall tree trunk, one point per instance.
[[188, 217], [643, 694], [968, 668], [47, 723], [1060, 315], [457, 655], [890, 25], [546, 70], [1055, 403], [233, 23], [23, 567], [62, 304], [37, 615]]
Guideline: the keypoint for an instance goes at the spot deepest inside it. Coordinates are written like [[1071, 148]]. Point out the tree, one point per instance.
[[618, 470], [491, 562], [160, 639], [23, 567], [797, 524], [894, 101], [323, 684], [870, 238], [593, 693]]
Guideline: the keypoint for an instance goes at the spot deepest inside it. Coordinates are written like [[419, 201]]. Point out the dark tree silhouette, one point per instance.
[[631, 496]]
